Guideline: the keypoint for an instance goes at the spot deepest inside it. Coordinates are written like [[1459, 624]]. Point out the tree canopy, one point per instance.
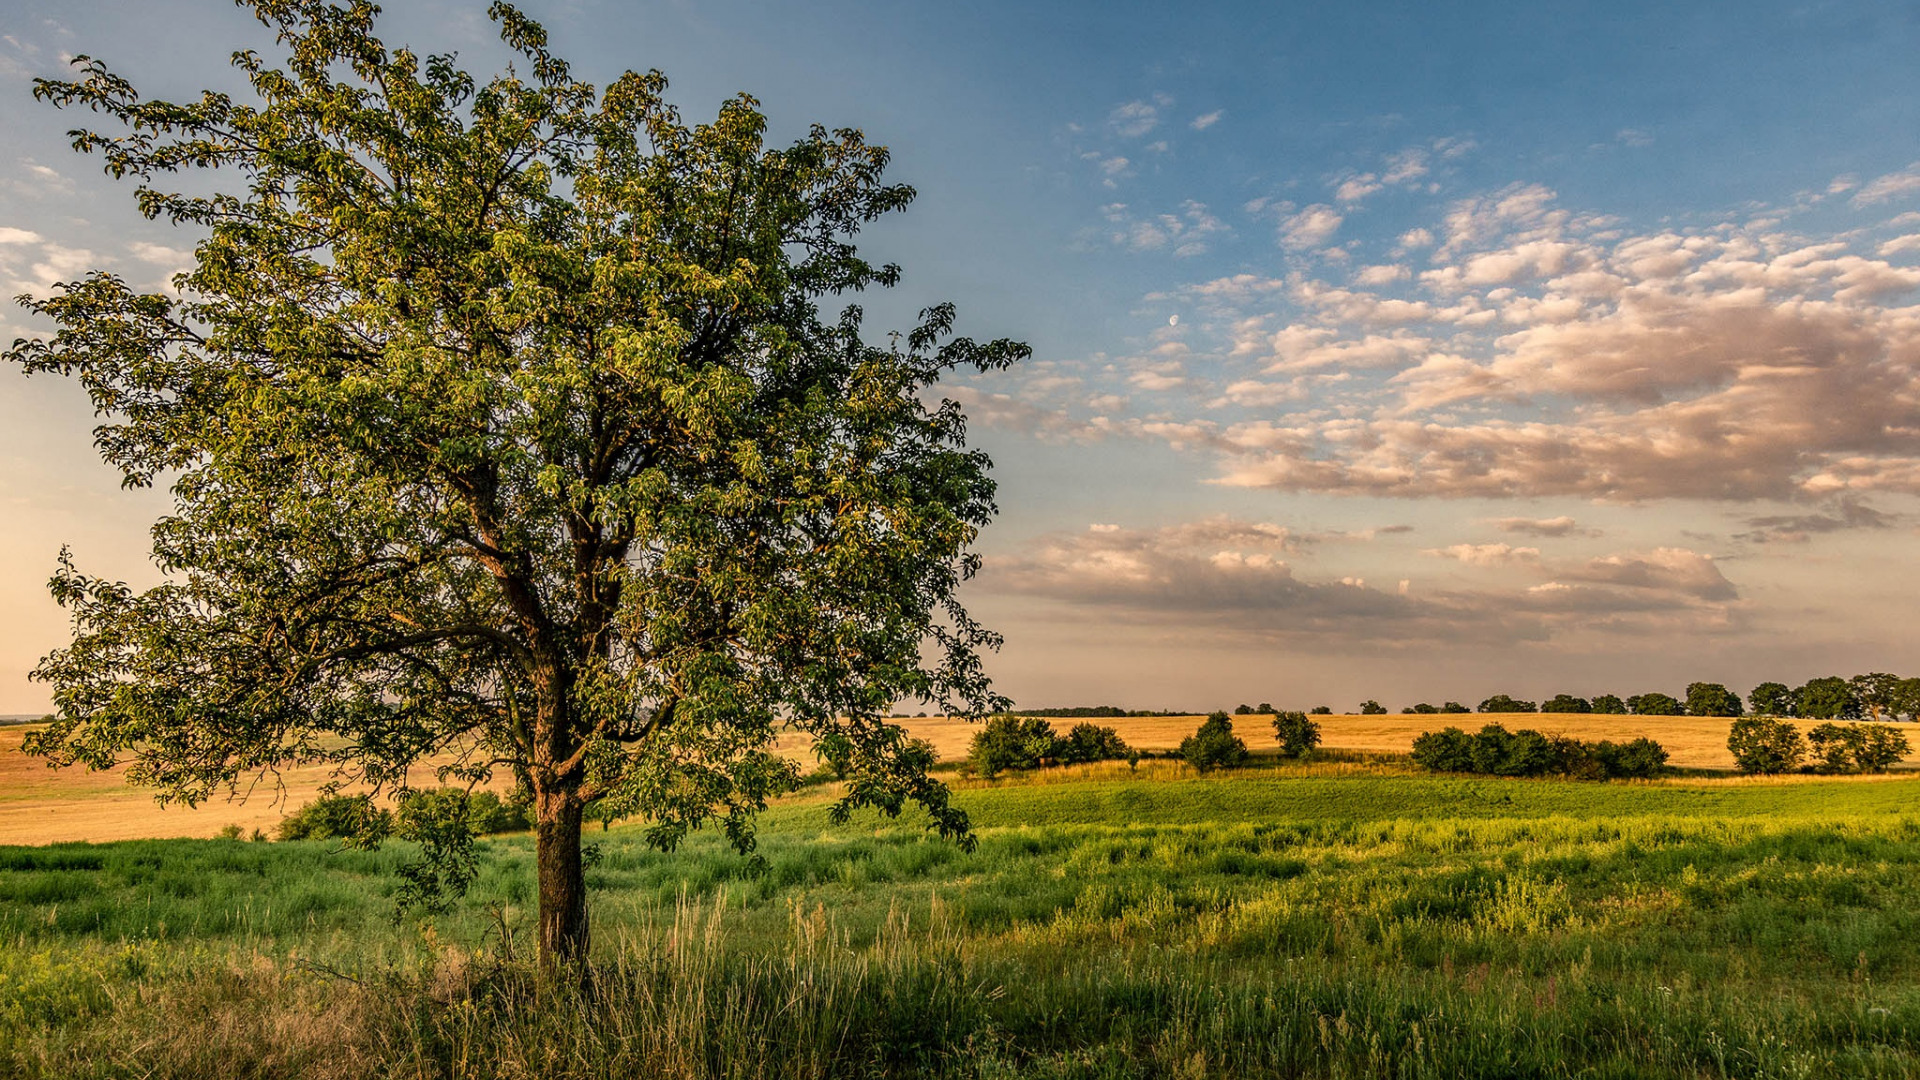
[[503, 429]]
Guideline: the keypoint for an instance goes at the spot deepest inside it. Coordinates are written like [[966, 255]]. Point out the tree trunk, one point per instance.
[[563, 884]]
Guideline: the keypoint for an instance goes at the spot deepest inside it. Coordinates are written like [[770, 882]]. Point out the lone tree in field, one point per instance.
[[501, 424]]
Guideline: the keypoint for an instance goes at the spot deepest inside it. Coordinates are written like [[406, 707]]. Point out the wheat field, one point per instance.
[[39, 805]]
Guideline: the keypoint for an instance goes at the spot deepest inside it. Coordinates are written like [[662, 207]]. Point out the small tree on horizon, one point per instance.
[[1829, 698], [1502, 703], [1772, 699], [1876, 692], [1711, 699], [1656, 705]]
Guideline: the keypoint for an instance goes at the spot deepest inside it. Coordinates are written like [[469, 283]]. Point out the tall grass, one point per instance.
[[1539, 929]]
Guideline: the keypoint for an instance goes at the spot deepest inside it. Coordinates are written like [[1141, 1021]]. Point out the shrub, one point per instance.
[[1296, 734], [1454, 707], [1656, 705], [1499, 752], [1446, 750], [1501, 703], [336, 817], [1320, 710], [1575, 759], [1529, 753], [1855, 748], [1011, 742], [1088, 743], [1567, 703], [1765, 745], [1214, 745], [1243, 710], [1371, 707], [1832, 747], [1640, 759], [1424, 709], [1711, 699], [1609, 705], [1881, 747], [1495, 751]]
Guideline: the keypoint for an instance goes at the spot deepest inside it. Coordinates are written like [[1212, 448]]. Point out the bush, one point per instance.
[[1567, 703], [1856, 748], [1454, 707], [1296, 734], [1424, 709], [1609, 705], [1088, 743], [1446, 750], [1011, 742], [1882, 746], [1495, 751], [336, 817], [1637, 760], [1501, 703], [1371, 707], [1765, 745], [1320, 710], [1214, 745]]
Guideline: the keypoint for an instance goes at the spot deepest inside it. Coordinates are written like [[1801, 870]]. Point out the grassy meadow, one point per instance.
[[1343, 918]]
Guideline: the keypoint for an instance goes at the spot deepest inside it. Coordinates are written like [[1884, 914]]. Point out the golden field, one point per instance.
[[39, 805]]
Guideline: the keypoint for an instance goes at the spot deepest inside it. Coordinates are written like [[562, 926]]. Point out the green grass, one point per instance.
[[1252, 924]]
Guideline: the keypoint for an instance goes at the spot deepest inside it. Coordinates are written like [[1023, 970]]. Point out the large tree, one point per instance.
[[503, 429]]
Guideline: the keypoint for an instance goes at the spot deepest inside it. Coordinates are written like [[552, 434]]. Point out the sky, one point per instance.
[[1409, 351]]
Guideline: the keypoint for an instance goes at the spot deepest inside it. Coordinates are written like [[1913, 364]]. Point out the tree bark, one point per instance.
[[563, 885]]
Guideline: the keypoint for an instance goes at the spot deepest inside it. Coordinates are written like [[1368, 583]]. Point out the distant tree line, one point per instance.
[[1094, 712], [1876, 696]]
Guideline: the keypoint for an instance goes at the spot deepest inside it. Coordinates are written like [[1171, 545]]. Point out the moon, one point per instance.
[[1173, 320]]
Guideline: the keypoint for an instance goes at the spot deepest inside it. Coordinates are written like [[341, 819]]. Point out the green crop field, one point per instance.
[[1269, 922]]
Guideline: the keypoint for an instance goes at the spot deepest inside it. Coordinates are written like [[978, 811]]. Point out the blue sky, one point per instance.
[[1404, 351]]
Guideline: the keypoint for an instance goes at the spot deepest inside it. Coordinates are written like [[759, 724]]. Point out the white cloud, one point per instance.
[[1354, 188], [1187, 233], [1893, 185], [1134, 119], [1207, 120], [1486, 554], [1311, 227], [1553, 526]]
